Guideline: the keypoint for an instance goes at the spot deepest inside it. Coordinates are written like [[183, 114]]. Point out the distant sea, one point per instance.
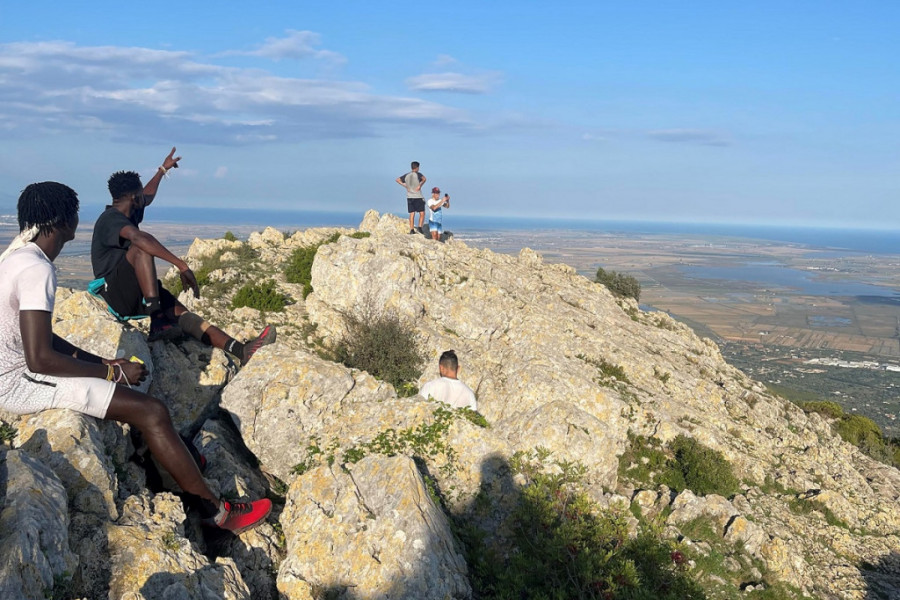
[[864, 241]]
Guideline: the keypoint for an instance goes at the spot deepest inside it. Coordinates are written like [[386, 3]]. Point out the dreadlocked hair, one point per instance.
[[46, 205], [123, 182]]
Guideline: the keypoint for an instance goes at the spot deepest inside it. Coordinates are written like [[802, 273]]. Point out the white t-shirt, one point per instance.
[[433, 204], [27, 282], [450, 391]]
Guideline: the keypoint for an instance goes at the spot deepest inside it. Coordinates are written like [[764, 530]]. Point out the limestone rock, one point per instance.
[[150, 558], [72, 445], [191, 382], [373, 531], [281, 399], [34, 525]]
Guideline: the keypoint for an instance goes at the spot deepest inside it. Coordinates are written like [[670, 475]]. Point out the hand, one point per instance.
[[169, 162], [189, 282], [135, 372]]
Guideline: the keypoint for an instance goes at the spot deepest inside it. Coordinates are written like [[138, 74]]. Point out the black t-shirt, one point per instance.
[[107, 248]]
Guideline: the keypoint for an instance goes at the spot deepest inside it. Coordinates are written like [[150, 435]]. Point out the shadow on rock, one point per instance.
[[882, 578]]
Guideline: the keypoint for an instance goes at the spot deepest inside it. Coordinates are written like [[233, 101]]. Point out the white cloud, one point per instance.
[[128, 93], [454, 82], [691, 136], [296, 45], [221, 172], [444, 60]]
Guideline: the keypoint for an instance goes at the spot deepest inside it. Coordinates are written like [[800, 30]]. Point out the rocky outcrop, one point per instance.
[[369, 485]]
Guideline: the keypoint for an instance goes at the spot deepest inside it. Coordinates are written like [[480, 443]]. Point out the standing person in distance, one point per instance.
[[436, 214], [415, 203], [39, 370]]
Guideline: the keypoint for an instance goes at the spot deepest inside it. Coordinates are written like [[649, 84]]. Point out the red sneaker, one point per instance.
[[266, 337], [241, 516]]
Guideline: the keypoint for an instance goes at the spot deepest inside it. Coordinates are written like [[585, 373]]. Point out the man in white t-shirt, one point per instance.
[[39, 370], [448, 388]]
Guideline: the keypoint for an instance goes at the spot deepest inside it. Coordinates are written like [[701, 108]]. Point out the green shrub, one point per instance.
[[229, 236], [619, 284], [565, 546], [607, 369], [263, 296], [385, 346], [685, 464], [300, 262], [7, 432], [243, 257], [823, 407], [299, 267], [705, 471]]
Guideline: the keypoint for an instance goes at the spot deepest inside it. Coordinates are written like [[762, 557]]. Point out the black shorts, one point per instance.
[[123, 292], [414, 205]]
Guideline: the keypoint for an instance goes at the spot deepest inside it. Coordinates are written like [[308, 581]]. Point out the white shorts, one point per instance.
[[33, 393]]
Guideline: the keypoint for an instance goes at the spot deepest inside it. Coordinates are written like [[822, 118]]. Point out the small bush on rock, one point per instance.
[[385, 346], [300, 262], [619, 284], [705, 471], [823, 407], [685, 464], [264, 296]]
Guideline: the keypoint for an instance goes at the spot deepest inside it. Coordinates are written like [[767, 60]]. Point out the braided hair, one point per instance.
[[41, 208]]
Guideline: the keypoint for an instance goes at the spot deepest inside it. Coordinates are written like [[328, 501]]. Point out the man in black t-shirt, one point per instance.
[[124, 256]]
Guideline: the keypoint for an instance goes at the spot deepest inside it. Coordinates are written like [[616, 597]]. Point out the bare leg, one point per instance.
[[152, 418], [411, 217], [145, 269], [217, 338], [421, 219]]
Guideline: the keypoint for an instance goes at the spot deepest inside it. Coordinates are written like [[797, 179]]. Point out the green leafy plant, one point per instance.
[[7, 432], [229, 236], [619, 284], [263, 296]]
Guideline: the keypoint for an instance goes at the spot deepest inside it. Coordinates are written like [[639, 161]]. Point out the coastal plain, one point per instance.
[[813, 323]]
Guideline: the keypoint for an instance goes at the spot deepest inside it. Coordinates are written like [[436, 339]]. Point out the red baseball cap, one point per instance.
[[435, 190]]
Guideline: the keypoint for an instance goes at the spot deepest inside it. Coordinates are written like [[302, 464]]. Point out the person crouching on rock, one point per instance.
[[124, 256], [40, 370]]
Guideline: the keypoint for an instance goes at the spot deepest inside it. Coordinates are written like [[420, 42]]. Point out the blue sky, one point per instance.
[[763, 112]]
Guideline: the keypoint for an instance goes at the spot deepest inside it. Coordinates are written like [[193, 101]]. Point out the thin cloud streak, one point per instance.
[[296, 45], [690, 136], [454, 82]]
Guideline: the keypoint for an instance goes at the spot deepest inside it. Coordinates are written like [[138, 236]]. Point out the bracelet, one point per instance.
[[109, 372], [165, 171], [121, 374]]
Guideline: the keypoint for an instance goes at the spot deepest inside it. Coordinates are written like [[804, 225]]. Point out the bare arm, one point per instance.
[[400, 181], [170, 162], [422, 180], [149, 244], [64, 347], [152, 246], [42, 355]]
